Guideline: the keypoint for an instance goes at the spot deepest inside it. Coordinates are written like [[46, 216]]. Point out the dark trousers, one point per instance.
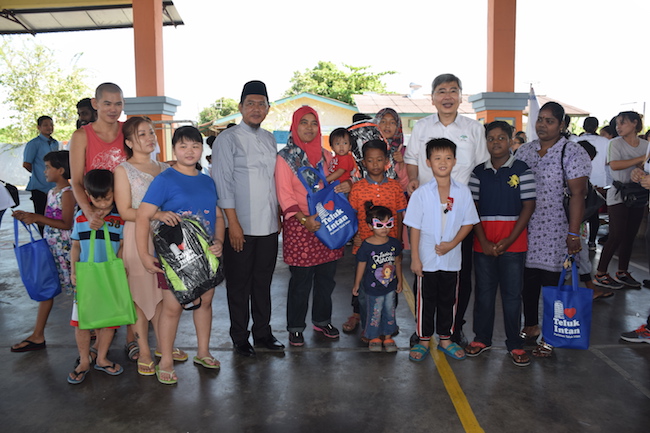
[[624, 224], [321, 278], [40, 202], [465, 285], [435, 301], [534, 280], [594, 224], [248, 284]]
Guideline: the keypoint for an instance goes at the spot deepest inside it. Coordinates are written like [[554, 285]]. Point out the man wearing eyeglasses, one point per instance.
[[243, 167], [469, 137]]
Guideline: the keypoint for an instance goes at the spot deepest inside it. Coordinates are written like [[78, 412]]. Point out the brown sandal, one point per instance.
[[351, 324], [543, 350]]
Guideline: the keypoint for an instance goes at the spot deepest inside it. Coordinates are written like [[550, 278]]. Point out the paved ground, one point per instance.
[[327, 386]]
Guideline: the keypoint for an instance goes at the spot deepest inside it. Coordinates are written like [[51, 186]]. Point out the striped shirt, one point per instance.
[[499, 195]]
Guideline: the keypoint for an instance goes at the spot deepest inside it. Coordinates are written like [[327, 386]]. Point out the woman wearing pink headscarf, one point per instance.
[[311, 263], [390, 125]]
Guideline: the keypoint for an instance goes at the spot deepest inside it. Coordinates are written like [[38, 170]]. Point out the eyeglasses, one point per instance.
[[376, 224]]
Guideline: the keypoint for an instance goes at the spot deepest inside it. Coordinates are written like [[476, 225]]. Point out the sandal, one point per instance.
[[418, 349], [374, 345], [390, 345], [543, 350], [475, 348], [159, 375], [203, 362], [178, 355], [132, 351], [519, 357], [79, 376], [451, 350], [529, 338], [351, 324], [146, 369]]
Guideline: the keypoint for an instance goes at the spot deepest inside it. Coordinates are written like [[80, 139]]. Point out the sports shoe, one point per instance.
[[296, 339], [592, 246], [639, 335], [519, 357], [607, 282], [626, 279], [327, 330]]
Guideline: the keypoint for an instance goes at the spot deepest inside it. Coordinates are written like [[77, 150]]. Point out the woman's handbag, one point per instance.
[[338, 220], [593, 200], [633, 194], [36, 265], [567, 313], [13, 191], [103, 295], [190, 267]]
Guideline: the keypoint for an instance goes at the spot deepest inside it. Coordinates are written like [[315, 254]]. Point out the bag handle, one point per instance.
[[27, 227], [574, 273], [302, 179], [110, 254]]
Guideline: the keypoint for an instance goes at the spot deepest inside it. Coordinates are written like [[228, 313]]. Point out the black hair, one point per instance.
[[379, 212], [42, 119], [107, 87], [591, 150], [446, 78], [360, 116], [440, 144], [633, 116], [187, 133], [98, 182], [556, 110], [210, 140], [230, 125], [85, 103], [590, 124], [500, 124], [339, 133], [59, 159], [375, 144], [609, 129]]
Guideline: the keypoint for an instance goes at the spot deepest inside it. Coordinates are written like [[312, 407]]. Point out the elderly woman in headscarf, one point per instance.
[[311, 263], [390, 125]]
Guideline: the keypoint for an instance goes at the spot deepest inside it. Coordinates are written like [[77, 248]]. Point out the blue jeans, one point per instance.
[[505, 271], [321, 277], [380, 315]]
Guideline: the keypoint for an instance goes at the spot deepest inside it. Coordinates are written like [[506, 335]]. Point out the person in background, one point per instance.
[[86, 112]]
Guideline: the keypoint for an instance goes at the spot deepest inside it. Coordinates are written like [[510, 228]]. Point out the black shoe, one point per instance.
[[270, 343], [245, 349], [327, 330], [296, 339], [603, 240], [646, 284], [414, 339]]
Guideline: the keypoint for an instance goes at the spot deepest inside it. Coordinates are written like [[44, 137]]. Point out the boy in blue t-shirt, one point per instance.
[[99, 189], [441, 214]]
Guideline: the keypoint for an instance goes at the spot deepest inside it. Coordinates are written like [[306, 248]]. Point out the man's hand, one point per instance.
[[236, 236]]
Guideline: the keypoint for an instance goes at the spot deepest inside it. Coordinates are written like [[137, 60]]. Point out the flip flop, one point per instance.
[[203, 362], [418, 348], [178, 355], [29, 347], [106, 367], [79, 377], [451, 350], [146, 369], [170, 381], [604, 295], [132, 349]]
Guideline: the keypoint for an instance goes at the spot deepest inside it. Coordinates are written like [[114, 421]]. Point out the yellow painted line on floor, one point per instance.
[[458, 398]]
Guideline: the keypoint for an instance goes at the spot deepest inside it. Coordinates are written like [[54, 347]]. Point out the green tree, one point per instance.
[[222, 107], [35, 85], [326, 79]]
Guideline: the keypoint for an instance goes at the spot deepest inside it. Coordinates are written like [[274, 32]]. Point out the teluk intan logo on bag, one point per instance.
[[334, 221], [564, 324]]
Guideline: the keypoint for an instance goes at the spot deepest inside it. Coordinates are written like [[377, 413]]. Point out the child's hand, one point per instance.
[[150, 263], [443, 248], [167, 217], [344, 187], [216, 248], [73, 277], [416, 266], [399, 287], [30, 218], [355, 290], [357, 240]]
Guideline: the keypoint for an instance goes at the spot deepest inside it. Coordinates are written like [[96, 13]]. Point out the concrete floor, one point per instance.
[[326, 386]]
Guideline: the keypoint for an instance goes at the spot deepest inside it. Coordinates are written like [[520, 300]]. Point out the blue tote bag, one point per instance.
[[36, 265], [567, 313], [337, 217]]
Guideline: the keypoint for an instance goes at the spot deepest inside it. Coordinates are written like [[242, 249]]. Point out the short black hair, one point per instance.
[[85, 103], [375, 144], [440, 144], [360, 116], [42, 119], [591, 150], [98, 182], [339, 133], [59, 159], [504, 126], [590, 124], [379, 212], [187, 132]]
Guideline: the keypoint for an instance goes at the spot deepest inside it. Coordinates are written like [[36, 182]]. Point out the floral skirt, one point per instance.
[[302, 248]]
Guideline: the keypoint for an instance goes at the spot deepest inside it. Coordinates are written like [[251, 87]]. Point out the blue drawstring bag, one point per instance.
[[36, 265], [567, 313], [338, 220]]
